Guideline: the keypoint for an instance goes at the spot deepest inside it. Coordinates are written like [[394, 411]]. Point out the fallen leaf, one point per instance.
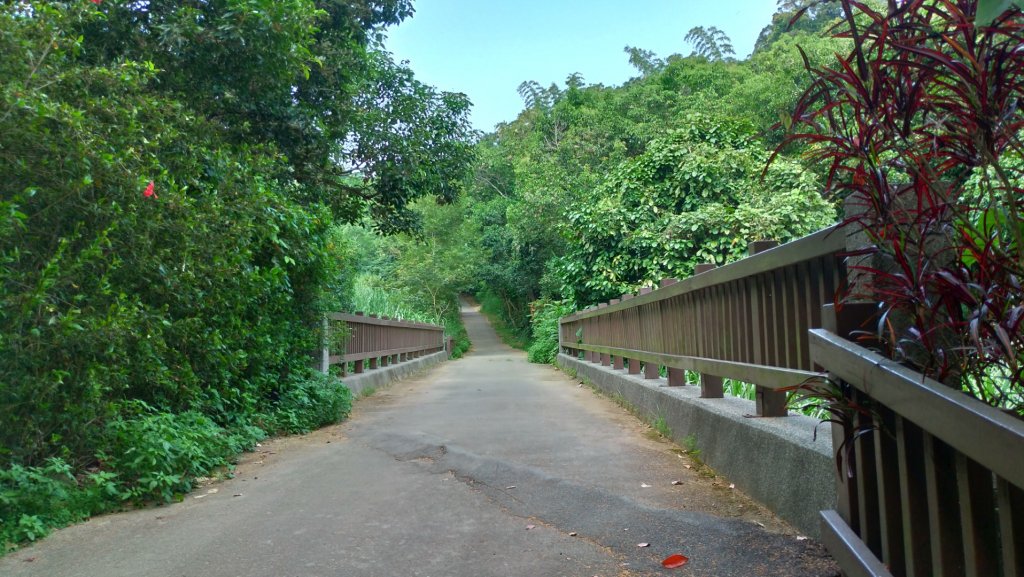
[[528, 527], [677, 482], [687, 466], [732, 485], [237, 495], [211, 491], [644, 485], [511, 487], [643, 544], [675, 561], [801, 538], [29, 559], [573, 534], [198, 496]]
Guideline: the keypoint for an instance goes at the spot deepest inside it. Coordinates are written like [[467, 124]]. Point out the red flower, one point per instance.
[[96, 1], [149, 189]]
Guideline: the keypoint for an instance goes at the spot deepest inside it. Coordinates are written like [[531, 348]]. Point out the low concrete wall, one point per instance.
[[776, 461], [382, 376]]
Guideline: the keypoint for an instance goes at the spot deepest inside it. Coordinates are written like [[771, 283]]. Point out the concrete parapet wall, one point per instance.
[[382, 376], [776, 460]]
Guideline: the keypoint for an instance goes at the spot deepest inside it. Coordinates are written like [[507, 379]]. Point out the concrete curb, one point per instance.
[[776, 461], [382, 376]]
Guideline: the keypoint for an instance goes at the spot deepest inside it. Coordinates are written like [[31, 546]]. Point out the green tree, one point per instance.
[[316, 87], [696, 195], [711, 43]]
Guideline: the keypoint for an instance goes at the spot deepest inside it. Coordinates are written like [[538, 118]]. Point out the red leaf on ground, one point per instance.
[[675, 561]]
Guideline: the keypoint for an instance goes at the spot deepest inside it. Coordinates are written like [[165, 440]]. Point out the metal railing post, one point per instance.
[[769, 403], [676, 377], [711, 386], [325, 357]]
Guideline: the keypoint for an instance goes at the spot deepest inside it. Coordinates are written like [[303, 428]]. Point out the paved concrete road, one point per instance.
[[485, 466]]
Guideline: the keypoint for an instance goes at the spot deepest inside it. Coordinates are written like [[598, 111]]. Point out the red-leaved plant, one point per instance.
[[920, 126]]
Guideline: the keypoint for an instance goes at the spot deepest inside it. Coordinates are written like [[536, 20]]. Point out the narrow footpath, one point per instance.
[[485, 466]]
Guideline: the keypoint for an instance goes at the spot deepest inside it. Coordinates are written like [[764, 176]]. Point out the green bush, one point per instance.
[[34, 499], [311, 403], [144, 456], [544, 325], [454, 328], [159, 455]]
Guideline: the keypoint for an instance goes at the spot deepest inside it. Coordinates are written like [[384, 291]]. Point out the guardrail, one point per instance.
[[932, 480], [747, 320], [373, 342], [937, 477]]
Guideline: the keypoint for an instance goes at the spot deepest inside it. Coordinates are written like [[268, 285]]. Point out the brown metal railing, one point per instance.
[[937, 484], [747, 320], [374, 342]]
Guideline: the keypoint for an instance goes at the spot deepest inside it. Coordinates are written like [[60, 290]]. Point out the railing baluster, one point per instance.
[[943, 514], [913, 501], [866, 478], [888, 481], [1010, 501], [979, 521]]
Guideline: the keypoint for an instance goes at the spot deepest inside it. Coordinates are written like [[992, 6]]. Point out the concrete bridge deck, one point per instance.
[[485, 466]]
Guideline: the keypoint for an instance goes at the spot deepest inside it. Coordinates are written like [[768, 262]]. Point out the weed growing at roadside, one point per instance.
[[662, 427], [689, 443]]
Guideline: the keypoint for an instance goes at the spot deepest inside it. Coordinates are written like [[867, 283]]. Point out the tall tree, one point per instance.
[[305, 88], [711, 43]]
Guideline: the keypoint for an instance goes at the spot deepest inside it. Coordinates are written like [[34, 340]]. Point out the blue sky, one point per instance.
[[486, 48]]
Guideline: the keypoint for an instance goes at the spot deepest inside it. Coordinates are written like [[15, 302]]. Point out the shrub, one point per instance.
[[34, 499], [920, 126], [544, 325], [159, 455], [310, 403]]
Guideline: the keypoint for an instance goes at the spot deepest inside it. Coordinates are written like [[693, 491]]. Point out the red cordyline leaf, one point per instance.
[[150, 191], [675, 561]]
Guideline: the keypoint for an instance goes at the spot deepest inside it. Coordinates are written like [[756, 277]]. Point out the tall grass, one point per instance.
[[375, 300]]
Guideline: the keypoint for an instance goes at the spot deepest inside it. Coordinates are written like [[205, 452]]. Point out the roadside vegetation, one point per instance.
[[170, 231]]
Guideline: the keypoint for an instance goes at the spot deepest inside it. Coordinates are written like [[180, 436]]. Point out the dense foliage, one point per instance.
[[696, 195], [418, 276], [594, 191], [171, 176]]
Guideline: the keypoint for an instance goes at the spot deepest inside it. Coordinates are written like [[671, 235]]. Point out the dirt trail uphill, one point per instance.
[[485, 466]]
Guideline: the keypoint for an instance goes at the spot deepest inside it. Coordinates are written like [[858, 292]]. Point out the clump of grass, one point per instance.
[[689, 444], [661, 426]]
